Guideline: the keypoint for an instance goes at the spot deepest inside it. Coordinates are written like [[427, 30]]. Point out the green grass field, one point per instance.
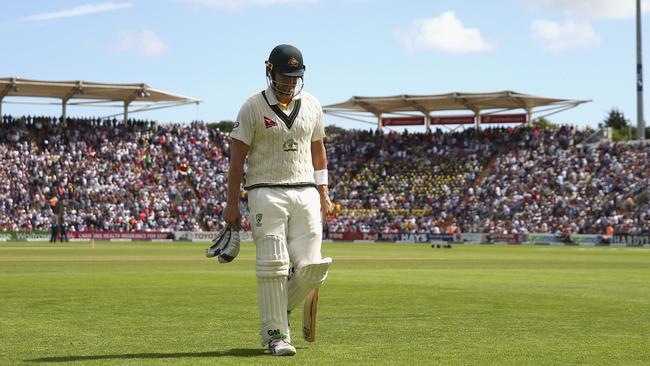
[[403, 304]]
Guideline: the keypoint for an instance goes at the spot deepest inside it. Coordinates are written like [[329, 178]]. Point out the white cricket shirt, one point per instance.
[[279, 140]]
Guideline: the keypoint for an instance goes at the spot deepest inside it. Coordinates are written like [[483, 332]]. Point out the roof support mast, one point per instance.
[[75, 90], [11, 87], [418, 107], [2, 96], [640, 122]]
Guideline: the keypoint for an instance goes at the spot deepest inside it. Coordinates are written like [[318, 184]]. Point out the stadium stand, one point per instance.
[[498, 180], [546, 183], [140, 175]]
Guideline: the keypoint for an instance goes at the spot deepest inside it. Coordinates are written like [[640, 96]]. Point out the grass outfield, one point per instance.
[[407, 304]]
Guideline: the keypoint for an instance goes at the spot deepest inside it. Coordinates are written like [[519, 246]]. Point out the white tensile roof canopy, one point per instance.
[[424, 105], [140, 96]]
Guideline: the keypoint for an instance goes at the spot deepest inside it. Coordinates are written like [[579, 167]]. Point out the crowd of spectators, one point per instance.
[[140, 175], [545, 183], [398, 182], [534, 180], [119, 177]]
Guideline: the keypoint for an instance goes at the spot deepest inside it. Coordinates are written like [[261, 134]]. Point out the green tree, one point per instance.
[[224, 126], [624, 134], [334, 130], [544, 123], [615, 119]]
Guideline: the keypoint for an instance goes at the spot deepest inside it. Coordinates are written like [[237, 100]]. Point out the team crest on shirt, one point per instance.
[[268, 123], [290, 145], [258, 220]]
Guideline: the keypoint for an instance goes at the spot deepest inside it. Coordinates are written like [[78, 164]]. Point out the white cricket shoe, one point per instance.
[[280, 347]]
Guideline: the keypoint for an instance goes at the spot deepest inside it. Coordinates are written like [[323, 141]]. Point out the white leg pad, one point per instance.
[[305, 279], [272, 270]]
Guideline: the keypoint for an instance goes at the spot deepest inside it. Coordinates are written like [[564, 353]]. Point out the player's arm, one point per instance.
[[238, 152], [319, 161]]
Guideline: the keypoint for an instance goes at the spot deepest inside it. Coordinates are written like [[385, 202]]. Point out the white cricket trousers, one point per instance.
[[287, 229]]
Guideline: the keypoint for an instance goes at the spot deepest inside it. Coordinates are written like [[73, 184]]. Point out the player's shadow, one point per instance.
[[235, 352]]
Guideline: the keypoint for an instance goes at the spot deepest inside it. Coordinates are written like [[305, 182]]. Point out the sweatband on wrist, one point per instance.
[[320, 177]]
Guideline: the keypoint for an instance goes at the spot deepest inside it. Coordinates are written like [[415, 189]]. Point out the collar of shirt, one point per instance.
[[273, 100]]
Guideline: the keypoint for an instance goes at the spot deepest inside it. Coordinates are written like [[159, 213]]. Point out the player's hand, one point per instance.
[[232, 216], [325, 203]]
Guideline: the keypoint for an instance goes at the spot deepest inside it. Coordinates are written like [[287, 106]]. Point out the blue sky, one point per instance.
[[214, 50]]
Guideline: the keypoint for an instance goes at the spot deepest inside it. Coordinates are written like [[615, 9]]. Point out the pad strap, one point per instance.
[[272, 257]]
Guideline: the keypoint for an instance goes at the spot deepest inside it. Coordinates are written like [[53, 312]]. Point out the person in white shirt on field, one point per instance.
[[281, 132]]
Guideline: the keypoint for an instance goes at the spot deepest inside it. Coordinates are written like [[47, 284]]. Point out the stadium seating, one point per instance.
[[172, 177]]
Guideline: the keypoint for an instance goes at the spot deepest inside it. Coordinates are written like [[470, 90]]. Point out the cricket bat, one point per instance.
[[309, 316]]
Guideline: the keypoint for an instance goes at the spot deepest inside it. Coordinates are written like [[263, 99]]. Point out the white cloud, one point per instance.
[[143, 44], [557, 37], [595, 9], [80, 10], [445, 33], [236, 4]]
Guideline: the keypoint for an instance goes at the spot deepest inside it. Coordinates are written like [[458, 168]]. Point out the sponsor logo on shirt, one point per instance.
[[268, 123], [235, 125]]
